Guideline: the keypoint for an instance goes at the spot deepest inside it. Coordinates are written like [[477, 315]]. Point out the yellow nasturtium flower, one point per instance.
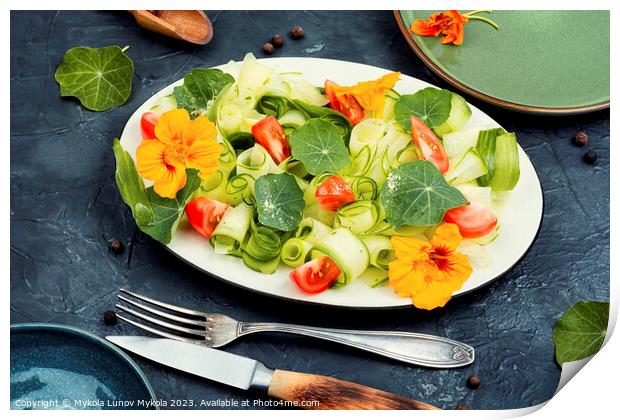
[[429, 271], [179, 143], [370, 94]]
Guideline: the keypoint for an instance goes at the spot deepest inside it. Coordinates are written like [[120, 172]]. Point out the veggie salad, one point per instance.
[[330, 181]]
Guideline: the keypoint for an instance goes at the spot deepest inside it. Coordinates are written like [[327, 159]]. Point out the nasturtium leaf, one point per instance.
[[154, 215], [131, 186], [327, 114], [200, 87], [279, 105], [580, 331], [319, 146], [99, 77], [168, 211], [279, 201], [417, 194], [432, 106]]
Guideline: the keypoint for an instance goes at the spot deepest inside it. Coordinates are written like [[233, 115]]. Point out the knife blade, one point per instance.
[[220, 366], [301, 389]]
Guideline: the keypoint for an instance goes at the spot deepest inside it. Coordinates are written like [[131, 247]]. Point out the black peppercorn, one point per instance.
[[580, 139], [461, 406], [473, 381], [117, 246], [297, 32], [590, 157], [277, 41], [109, 317], [268, 48]]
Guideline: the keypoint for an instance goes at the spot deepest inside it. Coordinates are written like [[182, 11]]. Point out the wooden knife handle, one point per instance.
[[336, 394]]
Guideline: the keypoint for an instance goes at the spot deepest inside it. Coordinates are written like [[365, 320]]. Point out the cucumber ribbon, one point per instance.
[[347, 251], [262, 251]]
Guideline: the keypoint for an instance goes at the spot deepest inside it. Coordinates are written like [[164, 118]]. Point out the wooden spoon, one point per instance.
[[187, 25]]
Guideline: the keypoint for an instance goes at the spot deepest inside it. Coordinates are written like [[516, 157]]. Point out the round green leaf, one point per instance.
[[200, 87], [417, 194], [319, 146], [99, 77], [279, 201], [432, 106], [580, 331]]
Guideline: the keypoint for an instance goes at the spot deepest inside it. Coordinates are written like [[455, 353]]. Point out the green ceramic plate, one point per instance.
[[539, 61]]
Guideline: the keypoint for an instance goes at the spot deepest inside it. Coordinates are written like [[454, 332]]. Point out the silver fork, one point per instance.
[[216, 330]]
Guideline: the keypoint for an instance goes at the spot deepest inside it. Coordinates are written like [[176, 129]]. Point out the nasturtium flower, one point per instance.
[[449, 24], [370, 94], [429, 272], [179, 143]]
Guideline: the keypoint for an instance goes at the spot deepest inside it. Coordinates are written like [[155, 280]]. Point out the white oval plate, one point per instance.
[[520, 218]]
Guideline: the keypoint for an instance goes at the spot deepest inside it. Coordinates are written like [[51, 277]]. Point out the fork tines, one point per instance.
[[191, 324]]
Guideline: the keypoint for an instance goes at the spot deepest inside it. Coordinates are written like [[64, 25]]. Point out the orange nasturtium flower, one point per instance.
[[370, 94], [429, 271], [449, 24], [179, 143]]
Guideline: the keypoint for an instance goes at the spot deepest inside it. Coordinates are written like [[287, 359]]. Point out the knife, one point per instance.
[[302, 389]]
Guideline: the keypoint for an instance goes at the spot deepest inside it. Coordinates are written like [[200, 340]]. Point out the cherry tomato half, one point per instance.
[[347, 105], [269, 133], [474, 220], [334, 193], [147, 125], [430, 146], [315, 276], [204, 214]]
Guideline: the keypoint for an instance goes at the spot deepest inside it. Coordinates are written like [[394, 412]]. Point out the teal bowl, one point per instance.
[[62, 367]]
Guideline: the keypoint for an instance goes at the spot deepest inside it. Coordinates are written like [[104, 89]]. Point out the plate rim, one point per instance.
[[333, 305], [531, 109], [43, 326]]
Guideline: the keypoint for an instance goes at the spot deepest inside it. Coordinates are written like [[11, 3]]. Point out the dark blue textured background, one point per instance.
[[65, 210]]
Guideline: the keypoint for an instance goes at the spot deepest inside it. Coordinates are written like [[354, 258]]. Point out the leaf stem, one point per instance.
[[125, 48], [483, 19], [473, 12]]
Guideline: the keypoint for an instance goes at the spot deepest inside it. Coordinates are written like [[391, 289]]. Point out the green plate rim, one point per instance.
[[532, 109]]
